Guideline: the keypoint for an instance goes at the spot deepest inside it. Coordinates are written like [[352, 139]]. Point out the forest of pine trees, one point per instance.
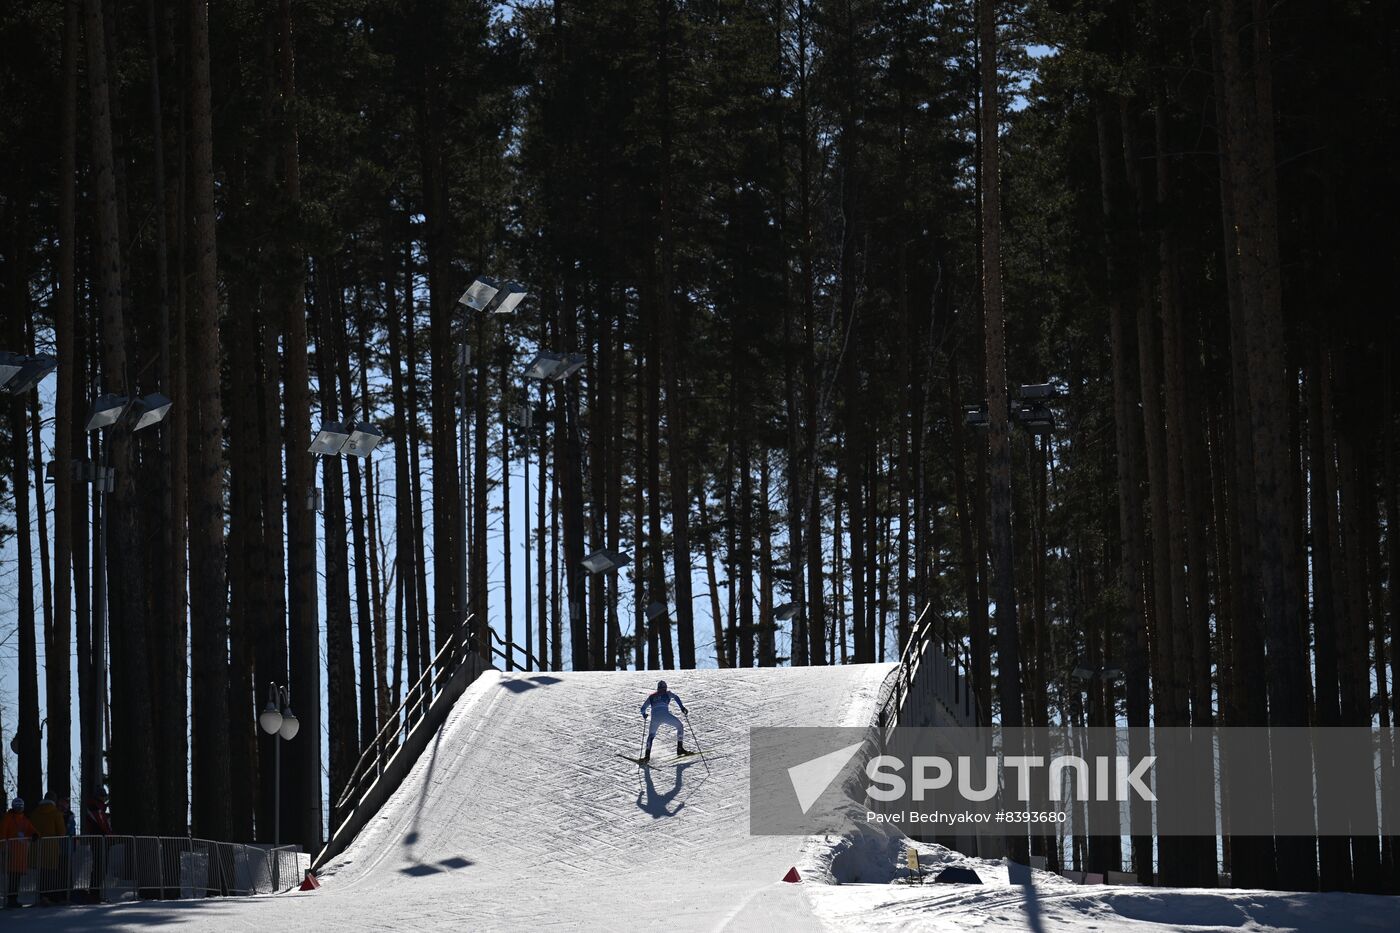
[[794, 241]]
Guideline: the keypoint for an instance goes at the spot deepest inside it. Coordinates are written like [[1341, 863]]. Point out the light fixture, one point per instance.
[[975, 416], [106, 411], [270, 719], [363, 439], [10, 365], [290, 724], [19, 374], [603, 560], [573, 362], [544, 366], [148, 410], [514, 293], [1036, 418], [655, 610], [785, 611], [1038, 391], [1081, 672], [479, 294], [330, 439]]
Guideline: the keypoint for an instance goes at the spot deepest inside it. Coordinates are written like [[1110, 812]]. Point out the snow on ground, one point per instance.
[[520, 817], [1054, 904]]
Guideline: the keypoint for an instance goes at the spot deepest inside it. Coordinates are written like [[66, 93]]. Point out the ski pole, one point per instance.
[[696, 738], [644, 737]]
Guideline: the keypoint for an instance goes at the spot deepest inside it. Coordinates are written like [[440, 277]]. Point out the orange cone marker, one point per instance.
[[310, 883], [792, 877]]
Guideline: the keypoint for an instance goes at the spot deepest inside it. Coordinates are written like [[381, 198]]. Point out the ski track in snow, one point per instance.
[[520, 817]]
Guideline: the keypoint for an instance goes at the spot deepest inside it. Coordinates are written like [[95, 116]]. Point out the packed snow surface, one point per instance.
[[520, 816]]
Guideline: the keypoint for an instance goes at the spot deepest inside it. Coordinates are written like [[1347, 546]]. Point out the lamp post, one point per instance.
[[555, 368], [498, 297], [278, 720], [114, 412]]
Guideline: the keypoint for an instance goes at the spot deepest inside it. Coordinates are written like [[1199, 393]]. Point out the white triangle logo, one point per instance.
[[811, 778]]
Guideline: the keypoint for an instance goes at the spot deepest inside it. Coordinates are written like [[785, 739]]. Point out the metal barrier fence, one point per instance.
[[93, 869]]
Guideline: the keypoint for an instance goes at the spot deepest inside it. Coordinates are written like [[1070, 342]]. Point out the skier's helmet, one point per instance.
[[660, 685]]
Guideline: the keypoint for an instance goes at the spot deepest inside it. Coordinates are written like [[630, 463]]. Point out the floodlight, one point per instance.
[[10, 365], [1039, 390], [106, 410], [1036, 418], [480, 294], [363, 439], [975, 416], [655, 610], [785, 611], [330, 439], [603, 560], [148, 410], [1081, 672], [573, 362], [31, 369], [513, 294], [544, 366]]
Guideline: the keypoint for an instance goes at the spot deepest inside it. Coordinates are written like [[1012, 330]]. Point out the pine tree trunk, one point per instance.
[[1128, 435], [208, 617], [57, 676], [302, 777], [999, 427]]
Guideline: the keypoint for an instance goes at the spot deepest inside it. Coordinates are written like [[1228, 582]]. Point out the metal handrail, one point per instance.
[[414, 705], [909, 661], [508, 652], [417, 700]]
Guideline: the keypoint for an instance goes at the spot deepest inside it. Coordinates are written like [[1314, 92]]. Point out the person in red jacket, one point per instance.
[[18, 834]]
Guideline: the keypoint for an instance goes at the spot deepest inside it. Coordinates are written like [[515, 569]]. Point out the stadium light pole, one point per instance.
[[109, 413], [485, 294], [278, 721], [555, 369]]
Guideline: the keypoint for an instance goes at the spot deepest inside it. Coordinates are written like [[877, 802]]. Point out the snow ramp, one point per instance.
[[521, 815]]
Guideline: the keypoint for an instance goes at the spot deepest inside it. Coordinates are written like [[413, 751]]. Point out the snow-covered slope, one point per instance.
[[521, 817]]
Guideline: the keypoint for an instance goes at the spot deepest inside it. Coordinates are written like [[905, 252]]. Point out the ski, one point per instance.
[[653, 762]]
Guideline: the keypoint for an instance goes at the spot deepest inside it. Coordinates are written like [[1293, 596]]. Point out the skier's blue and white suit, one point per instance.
[[660, 706]]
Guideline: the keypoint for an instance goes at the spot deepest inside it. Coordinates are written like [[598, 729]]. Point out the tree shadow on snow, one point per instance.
[[658, 804]]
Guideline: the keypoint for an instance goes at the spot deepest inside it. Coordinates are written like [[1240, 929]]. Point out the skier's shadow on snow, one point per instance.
[[659, 805]]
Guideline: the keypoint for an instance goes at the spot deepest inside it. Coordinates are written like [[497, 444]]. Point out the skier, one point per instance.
[[660, 705]]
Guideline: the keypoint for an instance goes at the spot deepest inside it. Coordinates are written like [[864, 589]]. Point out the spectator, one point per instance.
[[97, 814], [49, 849], [70, 822], [17, 832]]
